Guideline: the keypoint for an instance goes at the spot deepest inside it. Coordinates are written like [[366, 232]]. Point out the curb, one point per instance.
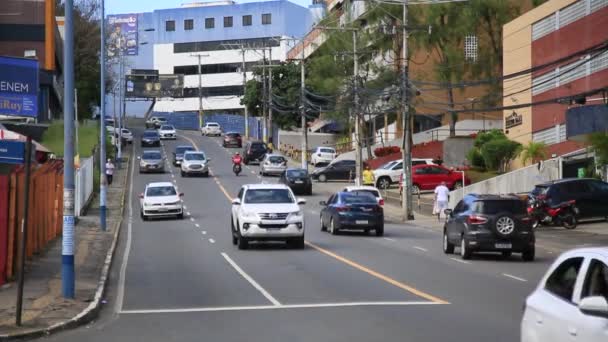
[[91, 311]]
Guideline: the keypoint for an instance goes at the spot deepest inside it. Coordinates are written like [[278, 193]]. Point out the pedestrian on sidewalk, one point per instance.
[[442, 196], [368, 176], [109, 171]]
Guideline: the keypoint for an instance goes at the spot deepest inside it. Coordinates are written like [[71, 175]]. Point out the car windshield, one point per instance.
[[194, 156], [374, 193], [212, 125], [276, 159], [167, 128], [327, 150], [150, 134], [540, 190], [257, 196], [493, 207], [258, 147], [161, 191], [151, 155], [358, 198], [297, 173], [126, 131], [388, 165], [162, 119], [182, 150]]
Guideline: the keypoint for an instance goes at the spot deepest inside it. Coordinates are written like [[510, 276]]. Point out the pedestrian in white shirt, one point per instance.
[[109, 171], [442, 196]]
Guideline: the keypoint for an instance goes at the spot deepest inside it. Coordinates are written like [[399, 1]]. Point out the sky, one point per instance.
[[139, 6]]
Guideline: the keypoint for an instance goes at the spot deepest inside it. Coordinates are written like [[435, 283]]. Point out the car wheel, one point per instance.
[[323, 228], [506, 254], [465, 253], [206, 174], [332, 227], [309, 191], [141, 214], [384, 183], [235, 239], [448, 248], [322, 178], [183, 174], [242, 243], [504, 225], [380, 230], [528, 255]]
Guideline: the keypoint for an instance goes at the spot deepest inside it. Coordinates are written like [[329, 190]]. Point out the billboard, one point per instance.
[[123, 35], [154, 86], [12, 152], [18, 86]]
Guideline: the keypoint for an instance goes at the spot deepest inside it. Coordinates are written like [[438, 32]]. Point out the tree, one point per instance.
[[497, 153], [599, 145], [534, 151]]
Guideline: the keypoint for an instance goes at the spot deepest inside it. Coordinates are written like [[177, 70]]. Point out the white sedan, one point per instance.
[[161, 199], [211, 128], [571, 301], [167, 132]]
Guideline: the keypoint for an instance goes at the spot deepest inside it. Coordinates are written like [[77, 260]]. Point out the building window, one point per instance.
[[224, 44], [470, 48], [247, 20], [209, 23], [188, 24], [266, 19], [170, 25], [227, 21]]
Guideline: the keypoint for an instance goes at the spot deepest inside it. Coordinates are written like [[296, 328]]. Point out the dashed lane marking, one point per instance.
[[192, 219], [514, 277], [197, 225], [211, 240], [251, 281], [421, 249], [389, 239], [204, 232], [461, 261]]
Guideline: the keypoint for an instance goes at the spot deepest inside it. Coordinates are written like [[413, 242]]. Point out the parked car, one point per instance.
[[126, 135], [151, 161], [167, 132], [155, 122], [353, 211], [338, 170], [233, 139], [427, 177], [254, 151], [570, 302], [161, 199], [590, 195], [211, 128], [366, 189], [298, 180], [489, 223], [150, 138], [178, 154], [273, 164], [391, 172], [195, 163], [267, 212], [323, 155]]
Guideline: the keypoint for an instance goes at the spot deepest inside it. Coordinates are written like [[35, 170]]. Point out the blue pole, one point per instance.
[[103, 183], [67, 250]]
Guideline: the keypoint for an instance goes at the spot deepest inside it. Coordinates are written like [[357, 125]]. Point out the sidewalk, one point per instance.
[[44, 308]]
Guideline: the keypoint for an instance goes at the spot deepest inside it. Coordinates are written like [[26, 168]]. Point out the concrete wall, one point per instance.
[[314, 139], [456, 149]]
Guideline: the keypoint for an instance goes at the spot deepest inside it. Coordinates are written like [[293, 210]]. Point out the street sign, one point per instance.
[[18, 86], [12, 152]]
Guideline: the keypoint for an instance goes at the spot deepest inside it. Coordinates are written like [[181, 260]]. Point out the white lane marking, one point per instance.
[[389, 239], [123, 267], [197, 225], [192, 219], [251, 281], [172, 175], [253, 172], [421, 249], [211, 240], [185, 207], [188, 213], [514, 277], [204, 232], [276, 307], [461, 261]]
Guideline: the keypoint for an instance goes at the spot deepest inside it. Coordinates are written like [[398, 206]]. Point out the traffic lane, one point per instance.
[[170, 264]]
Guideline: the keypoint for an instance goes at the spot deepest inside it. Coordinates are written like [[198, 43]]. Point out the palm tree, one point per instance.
[[534, 151]]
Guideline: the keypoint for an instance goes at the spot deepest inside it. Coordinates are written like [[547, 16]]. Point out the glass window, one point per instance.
[[374, 193], [152, 155], [327, 150], [398, 166], [561, 282], [493, 207], [276, 159], [161, 191], [358, 198], [258, 196], [240, 194], [438, 171], [422, 171], [151, 134], [188, 24], [227, 21], [182, 149], [194, 156], [599, 186], [209, 23], [247, 19], [297, 173], [170, 25], [596, 281], [266, 19], [459, 207]]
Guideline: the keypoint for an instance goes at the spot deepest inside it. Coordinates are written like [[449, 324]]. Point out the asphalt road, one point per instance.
[[182, 280]]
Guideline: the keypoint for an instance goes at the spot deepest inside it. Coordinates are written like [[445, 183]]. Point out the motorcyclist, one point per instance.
[[237, 159]]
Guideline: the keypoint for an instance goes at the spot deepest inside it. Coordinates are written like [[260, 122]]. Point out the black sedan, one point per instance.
[[339, 170], [150, 138], [178, 154], [352, 211], [298, 180]]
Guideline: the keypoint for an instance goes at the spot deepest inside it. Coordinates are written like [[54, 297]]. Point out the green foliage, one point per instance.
[[253, 97], [88, 138], [475, 159], [484, 137], [599, 145], [534, 151], [497, 153]]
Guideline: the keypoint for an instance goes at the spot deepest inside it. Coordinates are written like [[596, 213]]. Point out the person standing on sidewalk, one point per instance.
[[109, 171], [442, 196], [368, 176]]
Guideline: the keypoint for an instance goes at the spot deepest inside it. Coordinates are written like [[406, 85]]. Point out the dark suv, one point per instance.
[[254, 151], [591, 195], [489, 223], [150, 138]]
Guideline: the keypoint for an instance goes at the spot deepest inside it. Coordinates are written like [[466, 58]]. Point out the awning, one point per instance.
[[5, 134]]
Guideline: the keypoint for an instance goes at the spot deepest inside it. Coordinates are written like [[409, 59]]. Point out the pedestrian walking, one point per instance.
[[368, 176], [442, 196], [109, 171]]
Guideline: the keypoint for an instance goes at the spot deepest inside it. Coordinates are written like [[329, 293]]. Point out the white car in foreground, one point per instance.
[[323, 155], [167, 132], [211, 128], [571, 301], [267, 212], [368, 189], [161, 199], [391, 172]]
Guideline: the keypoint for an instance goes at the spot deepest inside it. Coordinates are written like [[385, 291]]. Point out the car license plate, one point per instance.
[[361, 222], [299, 182], [162, 210], [503, 246]]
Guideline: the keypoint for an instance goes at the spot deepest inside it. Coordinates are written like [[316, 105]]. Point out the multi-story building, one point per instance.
[[170, 41], [556, 50]]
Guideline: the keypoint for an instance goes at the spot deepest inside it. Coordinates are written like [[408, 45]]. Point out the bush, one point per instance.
[[476, 159], [497, 153], [386, 150]]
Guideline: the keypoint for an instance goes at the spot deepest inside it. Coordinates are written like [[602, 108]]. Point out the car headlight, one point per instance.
[[249, 214], [295, 215]]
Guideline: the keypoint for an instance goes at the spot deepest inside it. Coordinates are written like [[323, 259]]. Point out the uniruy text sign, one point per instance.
[[18, 86]]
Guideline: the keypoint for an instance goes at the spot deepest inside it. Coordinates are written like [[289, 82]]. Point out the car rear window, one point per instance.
[[327, 150], [297, 173], [150, 134], [493, 207], [233, 135], [358, 198], [276, 159], [212, 125], [374, 193], [182, 150], [258, 146]]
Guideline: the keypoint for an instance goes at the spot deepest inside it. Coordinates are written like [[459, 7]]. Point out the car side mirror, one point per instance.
[[141, 195], [301, 201], [594, 306], [448, 212], [323, 203], [236, 201]]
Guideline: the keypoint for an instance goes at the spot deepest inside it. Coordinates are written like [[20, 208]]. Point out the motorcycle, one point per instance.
[[236, 168], [564, 214]]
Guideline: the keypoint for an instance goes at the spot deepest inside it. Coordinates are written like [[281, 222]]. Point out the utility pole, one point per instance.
[[103, 183], [264, 102], [67, 248], [245, 90], [120, 107], [24, 224], [408, 210], [269, 122], [359, 152], [303, 112], [200, 87]]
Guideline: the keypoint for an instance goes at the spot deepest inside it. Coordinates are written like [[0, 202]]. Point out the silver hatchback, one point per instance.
[[273, 164]]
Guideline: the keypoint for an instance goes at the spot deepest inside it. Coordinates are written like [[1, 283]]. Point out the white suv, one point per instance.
[[323, 155], [267, 212], [211, 128], [391, 172]]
